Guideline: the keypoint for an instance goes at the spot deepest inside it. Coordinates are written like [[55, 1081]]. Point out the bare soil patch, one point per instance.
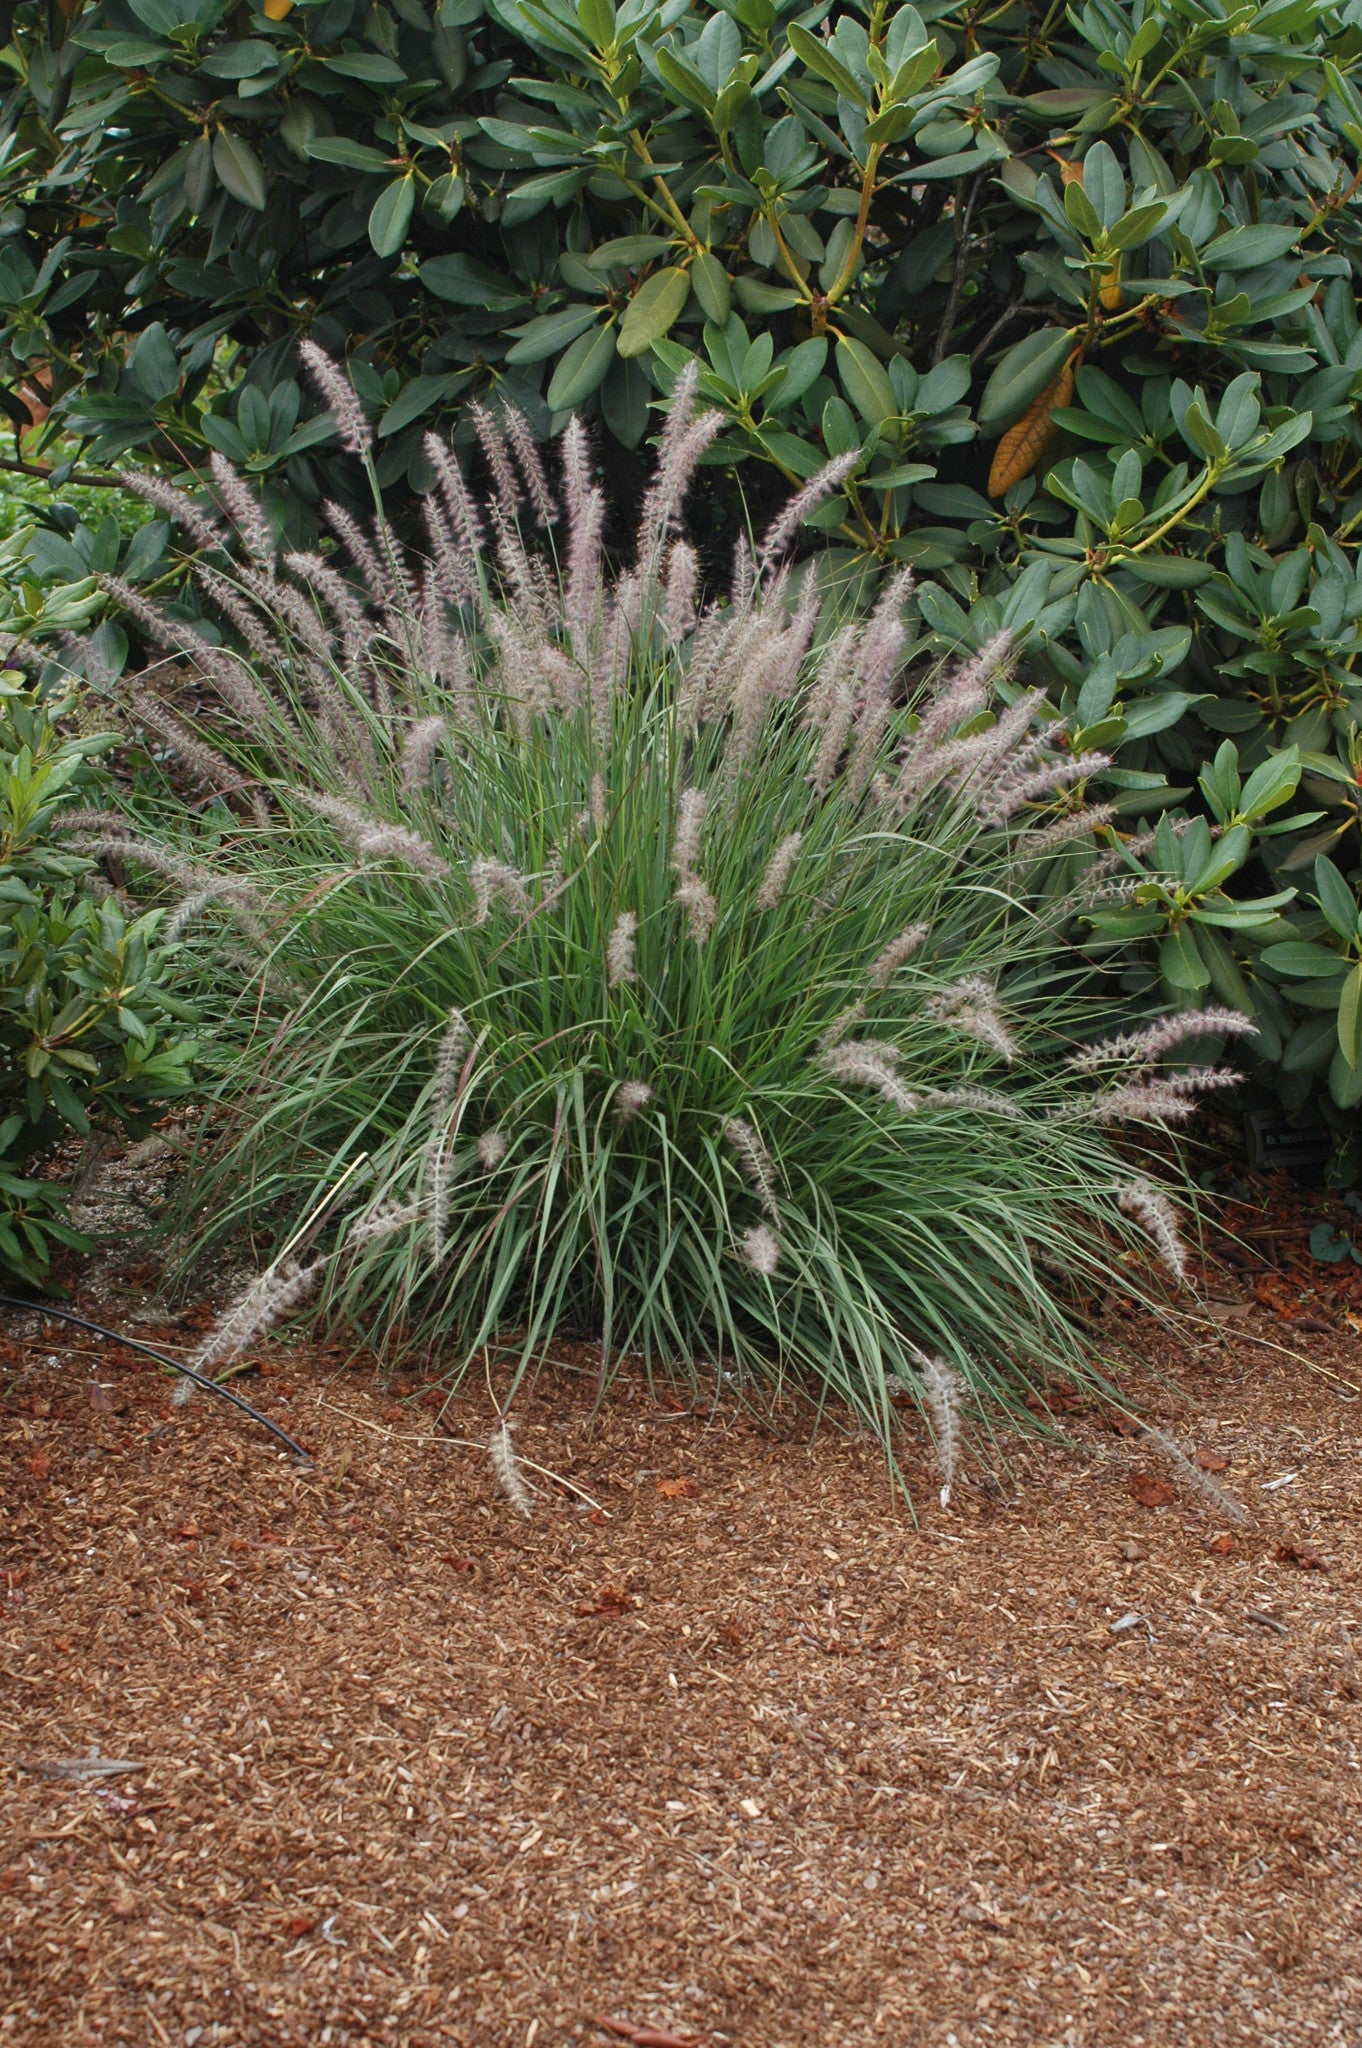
[[739, 1754]]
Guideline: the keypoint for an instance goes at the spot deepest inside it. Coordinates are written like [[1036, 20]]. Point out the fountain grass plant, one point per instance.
[[670, 978]]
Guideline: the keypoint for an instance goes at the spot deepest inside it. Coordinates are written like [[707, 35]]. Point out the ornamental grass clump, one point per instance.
[[679, 983]]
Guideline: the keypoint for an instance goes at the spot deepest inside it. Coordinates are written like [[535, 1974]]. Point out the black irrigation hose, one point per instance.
[[65, 1315]]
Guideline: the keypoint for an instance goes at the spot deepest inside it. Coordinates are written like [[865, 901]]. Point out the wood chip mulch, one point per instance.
[[354, 1754]]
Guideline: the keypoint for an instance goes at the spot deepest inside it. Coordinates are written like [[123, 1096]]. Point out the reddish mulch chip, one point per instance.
[[720, 1749]]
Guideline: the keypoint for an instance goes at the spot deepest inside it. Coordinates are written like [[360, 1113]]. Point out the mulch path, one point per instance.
[[739, 1754]]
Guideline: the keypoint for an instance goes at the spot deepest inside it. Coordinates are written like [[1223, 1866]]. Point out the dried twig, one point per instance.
[[81, 1767], [963, 216]]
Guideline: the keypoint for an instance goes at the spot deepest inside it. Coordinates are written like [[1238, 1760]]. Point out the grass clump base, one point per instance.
[[676, 983]]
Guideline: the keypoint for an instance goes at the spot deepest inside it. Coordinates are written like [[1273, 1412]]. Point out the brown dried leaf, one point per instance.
[[1221, 1546], [1070, 168], [1151, 1492], [1210, 1461], [647, 2037], [1301, 1555], [40, 1464], [609, 1604], [677, 1489], [1023, 445]]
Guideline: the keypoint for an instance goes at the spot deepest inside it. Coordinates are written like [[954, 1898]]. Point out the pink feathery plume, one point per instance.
[[1010, 794], [342, 400], [177, 506], [963, 693], [869, 1065], [459, 503], [575, 468], [1075, 825], [783, 528], [683, 583], [1142, 1048], [887, 964], [1167, 1099], [583, 594], [352, 538], [1156, 1214], [531, 467], [451, 557], [492, 437], [242, 507]]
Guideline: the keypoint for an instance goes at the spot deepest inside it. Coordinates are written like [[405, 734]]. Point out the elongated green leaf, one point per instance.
[[866, 383], [551, 333], [1082, 215], [1136, 227], [466, 282], [138, 55], [754, 295], [1271, 784], [709, 282], [1244, 917], [685, 81], [803, 366], [914, 71], [1104, 183], [547, 28], [1225, 859], [390, 216], [581, 370], [1181, 964], [198, 175], [417, 398], [1300, 957], [355, 156], [963, 163], [1350, 1018], [535, 194], [239, 169], [821, 61], [1029, 367], [597, 18], [1168, 572], [1336, 899], [626, 252], [653, 311], [1345, 1086], [367, 66], [1311, 1046], [1247, 248], [241, 60]]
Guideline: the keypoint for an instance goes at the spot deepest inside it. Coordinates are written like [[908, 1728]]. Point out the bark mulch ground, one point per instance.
[[355, 1754]]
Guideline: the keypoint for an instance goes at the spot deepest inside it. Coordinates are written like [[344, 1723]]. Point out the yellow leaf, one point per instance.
[[1022, 446], [1109, 288], [275, 10]]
